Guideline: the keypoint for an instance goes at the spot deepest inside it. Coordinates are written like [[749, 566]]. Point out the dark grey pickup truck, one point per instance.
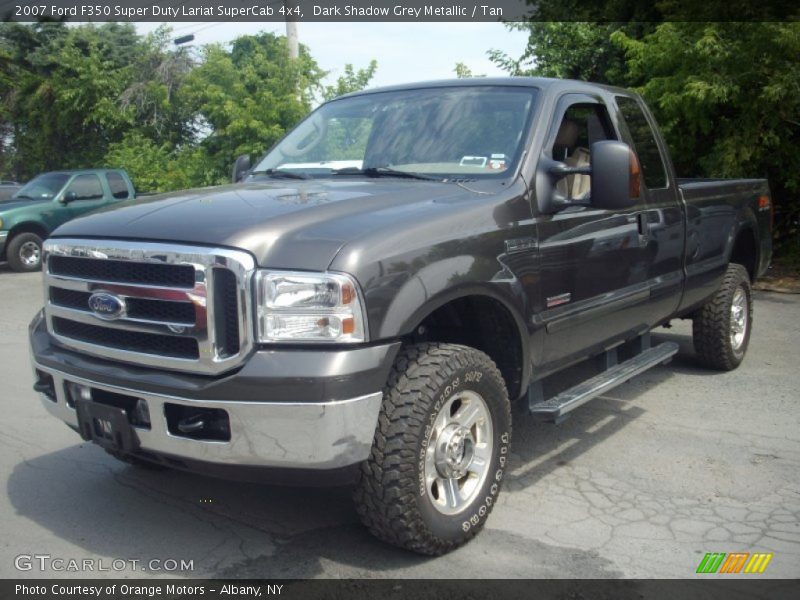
[[367, 301]]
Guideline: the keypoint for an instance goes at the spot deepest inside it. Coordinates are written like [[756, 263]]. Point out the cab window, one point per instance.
[[85, 187], [644, 143], [117, 185]]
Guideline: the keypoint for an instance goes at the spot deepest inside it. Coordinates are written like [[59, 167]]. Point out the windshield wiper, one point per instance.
[[281, 174], [24, 196], [383, 172]]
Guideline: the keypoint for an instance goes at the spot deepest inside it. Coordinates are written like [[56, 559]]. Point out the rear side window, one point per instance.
[[644, 142], [119, 189], [86, 187]]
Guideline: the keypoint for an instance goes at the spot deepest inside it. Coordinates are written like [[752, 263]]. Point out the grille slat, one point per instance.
[[133, 341], [161, 311], [120, 271]]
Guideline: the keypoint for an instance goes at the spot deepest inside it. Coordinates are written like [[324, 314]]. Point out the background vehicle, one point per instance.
[[48, 200], [371, 297], [8, 189]]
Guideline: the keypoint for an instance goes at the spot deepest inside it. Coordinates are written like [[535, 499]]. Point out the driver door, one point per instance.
[[593, 261], [82, 195]]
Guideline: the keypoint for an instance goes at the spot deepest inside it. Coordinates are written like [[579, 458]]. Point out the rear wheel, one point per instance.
[[721, 328], [440, 449], [24, 252]]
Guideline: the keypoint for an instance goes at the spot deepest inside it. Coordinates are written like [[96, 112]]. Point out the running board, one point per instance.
[[556, 408]]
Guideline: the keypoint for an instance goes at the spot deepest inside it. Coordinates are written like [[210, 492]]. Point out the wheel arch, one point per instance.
[[480, 318], [744, 248]]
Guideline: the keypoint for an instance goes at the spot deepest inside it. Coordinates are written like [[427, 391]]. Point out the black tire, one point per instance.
[[392, 497], [712, 324], [17, 252], [135, 461]]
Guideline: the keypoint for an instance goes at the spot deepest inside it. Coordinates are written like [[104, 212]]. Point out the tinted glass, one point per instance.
[[475, 130], [86, 187], [644, 142], [119, 189]]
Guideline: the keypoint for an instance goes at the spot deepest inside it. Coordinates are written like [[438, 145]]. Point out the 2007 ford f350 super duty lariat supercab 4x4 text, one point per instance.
[[369, 298]]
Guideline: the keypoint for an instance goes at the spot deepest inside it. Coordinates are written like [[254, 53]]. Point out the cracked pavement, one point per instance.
[[641, 482]]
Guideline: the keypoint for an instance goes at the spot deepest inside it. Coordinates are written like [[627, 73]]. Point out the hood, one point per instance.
[[284, 224], [12, 203]]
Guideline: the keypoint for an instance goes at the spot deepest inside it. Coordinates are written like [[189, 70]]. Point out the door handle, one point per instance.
[[644, 228]]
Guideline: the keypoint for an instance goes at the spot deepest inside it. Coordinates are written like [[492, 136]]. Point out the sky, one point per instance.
[[405, 52]]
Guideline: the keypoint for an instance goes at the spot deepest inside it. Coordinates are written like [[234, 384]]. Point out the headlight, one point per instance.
[[309, 307]]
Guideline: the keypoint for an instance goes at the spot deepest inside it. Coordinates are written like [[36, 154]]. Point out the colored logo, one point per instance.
[[735, 562], [106, 306]]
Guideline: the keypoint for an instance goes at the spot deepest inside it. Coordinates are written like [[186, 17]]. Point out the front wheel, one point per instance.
[[721, 328], [24, 252], [440, 449]]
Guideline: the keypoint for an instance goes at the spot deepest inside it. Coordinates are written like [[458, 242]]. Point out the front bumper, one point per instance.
[[3, 238], [321, 429]]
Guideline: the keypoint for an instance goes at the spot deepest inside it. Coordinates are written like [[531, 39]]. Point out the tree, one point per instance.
[[155, 97], [572, 50], [93, 95], [350, 81], [61, 109], [249, 95], [462, 71]]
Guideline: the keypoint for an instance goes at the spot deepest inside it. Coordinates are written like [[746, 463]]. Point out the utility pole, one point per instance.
[[291, 29]]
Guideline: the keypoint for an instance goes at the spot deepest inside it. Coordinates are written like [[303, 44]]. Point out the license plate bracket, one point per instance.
[[106, 426]]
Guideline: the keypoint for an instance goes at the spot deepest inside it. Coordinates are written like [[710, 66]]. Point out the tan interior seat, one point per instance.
[[572, 186]]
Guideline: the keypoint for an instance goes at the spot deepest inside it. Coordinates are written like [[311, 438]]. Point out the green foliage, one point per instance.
[[350, 81], [250, 94], [462, 71], [96, 95], [63, 83], [162, 168], [574, 50]]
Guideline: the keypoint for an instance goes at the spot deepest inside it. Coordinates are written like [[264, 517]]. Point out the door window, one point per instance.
[[581, 126], [86, 187]]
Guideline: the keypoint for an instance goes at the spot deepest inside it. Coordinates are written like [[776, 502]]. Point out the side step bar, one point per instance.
[[556, 408]]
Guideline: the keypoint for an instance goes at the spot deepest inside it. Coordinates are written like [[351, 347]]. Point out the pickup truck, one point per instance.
[[366, 302], [29, 216]]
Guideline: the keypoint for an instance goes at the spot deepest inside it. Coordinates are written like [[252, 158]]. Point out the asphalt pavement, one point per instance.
[[641, 482]]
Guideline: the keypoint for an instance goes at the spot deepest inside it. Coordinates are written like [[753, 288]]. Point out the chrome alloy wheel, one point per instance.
[[739, 315], [30, 254], [459, 452]]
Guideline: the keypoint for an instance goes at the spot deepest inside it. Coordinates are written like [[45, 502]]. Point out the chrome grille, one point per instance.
[[185, 308]]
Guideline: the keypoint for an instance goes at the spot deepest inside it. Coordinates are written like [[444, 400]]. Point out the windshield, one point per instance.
[[43, 187], [437, 133]]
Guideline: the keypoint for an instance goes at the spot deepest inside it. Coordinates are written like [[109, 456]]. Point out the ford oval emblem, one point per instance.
[[106, 306]]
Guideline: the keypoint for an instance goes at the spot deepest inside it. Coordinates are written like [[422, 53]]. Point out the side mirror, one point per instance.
[[240, 167], [616, 176], [69, 197]]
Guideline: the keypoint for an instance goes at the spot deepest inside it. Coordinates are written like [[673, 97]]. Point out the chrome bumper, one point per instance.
[[300, 435], [3, 238]]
